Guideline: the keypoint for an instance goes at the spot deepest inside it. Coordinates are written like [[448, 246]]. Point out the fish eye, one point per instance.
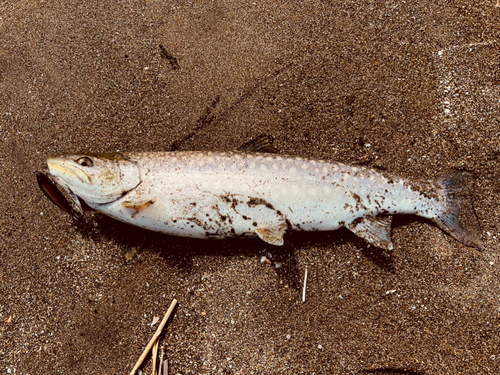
[[85, 162]]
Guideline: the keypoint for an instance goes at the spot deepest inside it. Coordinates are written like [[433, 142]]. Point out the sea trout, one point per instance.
[[237, 194]]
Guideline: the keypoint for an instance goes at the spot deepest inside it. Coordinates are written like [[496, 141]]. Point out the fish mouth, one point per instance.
[[63, 168], [53, 192]]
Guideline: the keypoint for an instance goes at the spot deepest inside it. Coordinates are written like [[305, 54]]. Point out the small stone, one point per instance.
[[288, 337], [320, 347], [131, 252]]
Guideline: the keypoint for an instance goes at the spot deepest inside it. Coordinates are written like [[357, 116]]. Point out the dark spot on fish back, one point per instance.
[[252, 202], [226, 198], [234, 204]]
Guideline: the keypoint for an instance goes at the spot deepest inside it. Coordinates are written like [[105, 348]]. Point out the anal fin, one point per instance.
[[374, 229], [273, 234]]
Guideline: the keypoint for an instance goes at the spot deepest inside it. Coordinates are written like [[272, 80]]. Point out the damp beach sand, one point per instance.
[[408, 88]]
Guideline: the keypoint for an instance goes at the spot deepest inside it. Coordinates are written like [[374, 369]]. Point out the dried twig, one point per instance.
[[165, 367], [155, 355], [155, 336], [162, 352], [305, 285]]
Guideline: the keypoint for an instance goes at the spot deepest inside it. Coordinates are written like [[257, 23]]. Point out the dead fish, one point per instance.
[[254, 193]]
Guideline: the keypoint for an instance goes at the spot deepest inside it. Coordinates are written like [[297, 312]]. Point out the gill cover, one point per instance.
[[95, 178]]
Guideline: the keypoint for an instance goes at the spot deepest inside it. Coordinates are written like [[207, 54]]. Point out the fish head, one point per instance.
[[95, 178]]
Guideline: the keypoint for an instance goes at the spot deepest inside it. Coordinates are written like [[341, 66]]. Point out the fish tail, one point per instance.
[[458, 217]]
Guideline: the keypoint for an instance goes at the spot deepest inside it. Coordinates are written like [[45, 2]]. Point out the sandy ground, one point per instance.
[[411, 87]]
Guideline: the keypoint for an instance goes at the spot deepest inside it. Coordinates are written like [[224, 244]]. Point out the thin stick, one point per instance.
[[162, 352], [155, 336], [155, 355], [165, 367], [305, 285]]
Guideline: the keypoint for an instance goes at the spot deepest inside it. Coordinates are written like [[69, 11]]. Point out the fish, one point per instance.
[[253, 192]]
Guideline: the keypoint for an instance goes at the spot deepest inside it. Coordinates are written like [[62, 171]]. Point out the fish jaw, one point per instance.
[[53, 193], [96, 179]]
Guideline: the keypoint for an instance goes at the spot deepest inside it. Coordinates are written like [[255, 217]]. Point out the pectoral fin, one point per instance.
[[138, 207], [374, 229], [272, 235]]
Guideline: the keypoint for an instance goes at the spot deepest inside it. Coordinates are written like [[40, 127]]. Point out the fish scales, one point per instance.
[[311, 194], [236, 194]]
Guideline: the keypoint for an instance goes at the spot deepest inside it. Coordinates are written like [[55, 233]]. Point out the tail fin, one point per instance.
[[458, 217]]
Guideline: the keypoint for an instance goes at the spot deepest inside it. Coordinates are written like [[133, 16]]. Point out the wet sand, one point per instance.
[[412, 88]]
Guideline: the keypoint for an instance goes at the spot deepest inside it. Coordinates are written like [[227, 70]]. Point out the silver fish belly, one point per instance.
[[235, 194]]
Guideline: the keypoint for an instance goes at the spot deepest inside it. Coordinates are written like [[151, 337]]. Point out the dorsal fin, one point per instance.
[[263, 143]]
